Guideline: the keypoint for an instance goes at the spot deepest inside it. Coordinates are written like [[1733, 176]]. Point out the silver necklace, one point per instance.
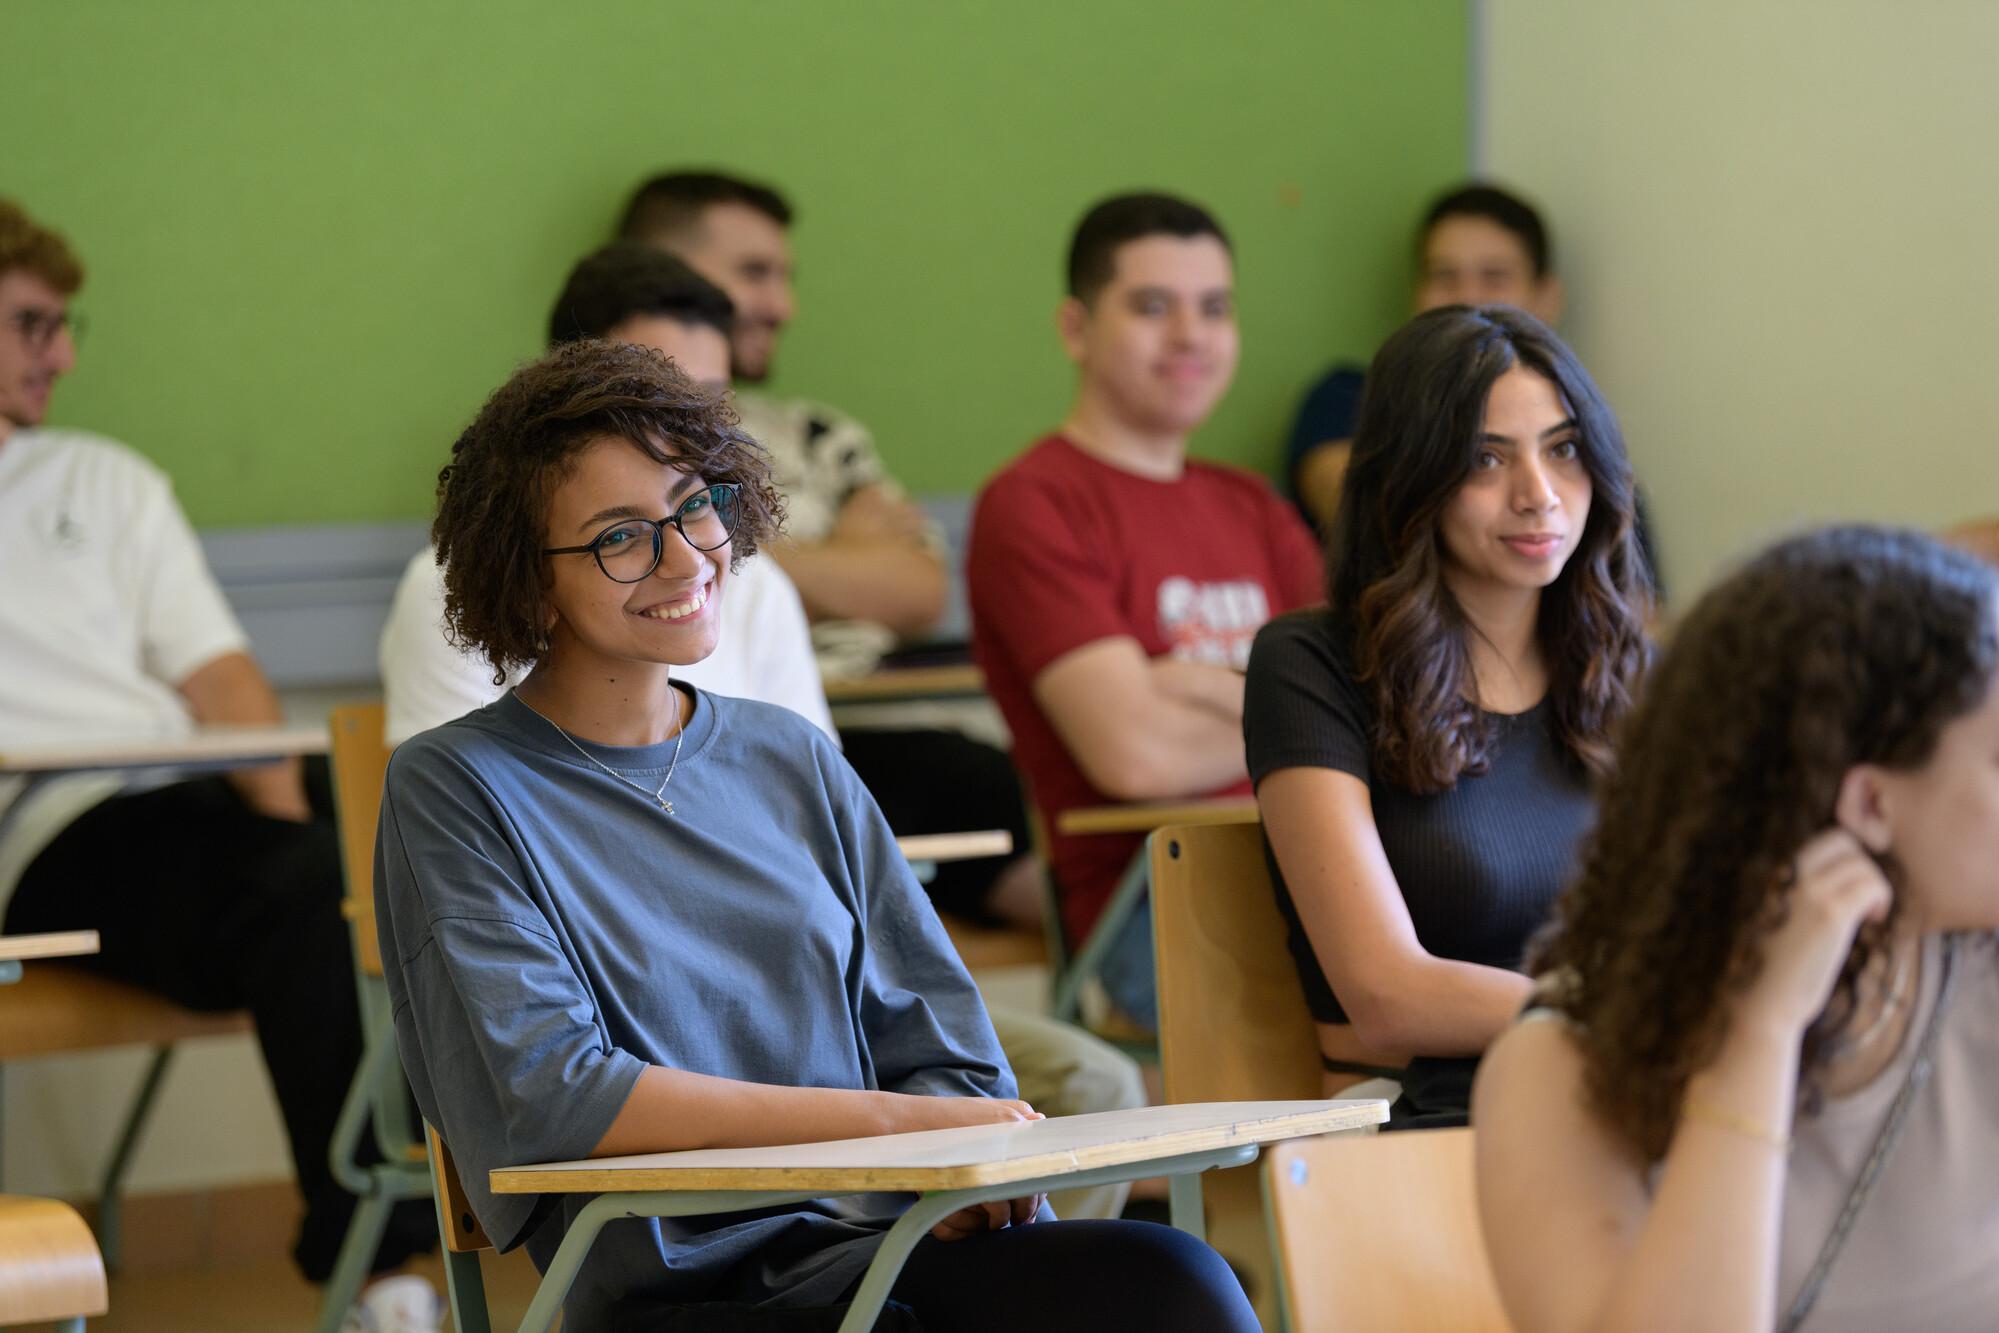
[[658, 796]]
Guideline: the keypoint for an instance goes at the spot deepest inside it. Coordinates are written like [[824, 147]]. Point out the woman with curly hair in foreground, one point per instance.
[[1423, 748], [1767, 1093], [621, 915]]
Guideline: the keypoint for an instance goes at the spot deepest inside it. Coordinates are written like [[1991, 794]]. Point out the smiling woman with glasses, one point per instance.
[[626, 916]]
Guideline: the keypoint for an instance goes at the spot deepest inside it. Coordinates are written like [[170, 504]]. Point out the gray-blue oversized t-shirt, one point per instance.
[[548, 931]]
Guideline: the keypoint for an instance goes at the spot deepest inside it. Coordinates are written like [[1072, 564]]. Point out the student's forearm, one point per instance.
[[1203, 685], [671, 1109], [1434, 1006], [1178, 749], [232, 690], [892, 583], [1707, 1255], [1184, 740]]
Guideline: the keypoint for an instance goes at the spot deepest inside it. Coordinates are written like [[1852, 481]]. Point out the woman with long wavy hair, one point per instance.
[[1768, 1095], [1423, 747]]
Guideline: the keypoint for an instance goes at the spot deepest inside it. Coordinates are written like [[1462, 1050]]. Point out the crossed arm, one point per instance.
[[1145, 729]]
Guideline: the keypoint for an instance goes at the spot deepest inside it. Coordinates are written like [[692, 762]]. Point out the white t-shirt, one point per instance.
[[764, 652], [106, 606]]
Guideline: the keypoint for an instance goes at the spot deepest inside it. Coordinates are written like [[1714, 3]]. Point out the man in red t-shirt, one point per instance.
[[1115, 583]]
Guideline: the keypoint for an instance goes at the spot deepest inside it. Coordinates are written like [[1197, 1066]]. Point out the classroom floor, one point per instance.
[[271, 1297]]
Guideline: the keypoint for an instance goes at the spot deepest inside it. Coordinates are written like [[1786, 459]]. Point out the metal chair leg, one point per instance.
[[110, 1195], [357, 1253], [1189, 1212], [1066, 984], [464, 1285]]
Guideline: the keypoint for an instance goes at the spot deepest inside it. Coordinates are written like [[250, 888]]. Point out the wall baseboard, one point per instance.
[[219, 1227]]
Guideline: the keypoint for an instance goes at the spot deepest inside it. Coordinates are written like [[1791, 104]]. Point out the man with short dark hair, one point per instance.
[[868, 563], [1116, 584], [1478, 245], [220, 892]]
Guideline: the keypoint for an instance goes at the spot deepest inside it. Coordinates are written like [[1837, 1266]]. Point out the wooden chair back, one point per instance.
[[461, 1230], [58, 1007], [1233, 1025], [49, 1264], [360, 758], [1381, 1232]]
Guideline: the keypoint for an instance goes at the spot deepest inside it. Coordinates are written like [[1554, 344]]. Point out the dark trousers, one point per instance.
[[1055, 1277], [200, 899], [942, 782], [1051, 1277]]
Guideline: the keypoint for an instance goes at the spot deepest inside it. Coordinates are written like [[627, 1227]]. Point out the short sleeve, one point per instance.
[[426, 679], [1327, 414], [1301, 705], [847, 449], [185, 621], [504, 1044], [1037, 590]]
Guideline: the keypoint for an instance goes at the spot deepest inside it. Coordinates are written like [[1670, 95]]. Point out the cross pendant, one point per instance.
[[666, 805]]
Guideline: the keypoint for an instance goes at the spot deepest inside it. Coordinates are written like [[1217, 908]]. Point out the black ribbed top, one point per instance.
[[1480, 864]]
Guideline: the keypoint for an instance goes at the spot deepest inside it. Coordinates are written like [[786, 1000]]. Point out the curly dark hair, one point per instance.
[[1415, 443], [493, 497], [1850, 646]]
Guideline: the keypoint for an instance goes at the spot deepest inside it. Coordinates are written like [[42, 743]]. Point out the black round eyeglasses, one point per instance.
[[629, 550]]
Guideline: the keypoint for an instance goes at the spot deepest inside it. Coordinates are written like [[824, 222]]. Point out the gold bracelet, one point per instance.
[[1696, 1108]]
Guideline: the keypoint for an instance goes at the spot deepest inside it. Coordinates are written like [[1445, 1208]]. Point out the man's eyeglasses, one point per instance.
[[629, 551], [38, 328]]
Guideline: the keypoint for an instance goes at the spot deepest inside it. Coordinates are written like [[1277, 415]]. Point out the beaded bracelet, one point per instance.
[[1695, 1108]]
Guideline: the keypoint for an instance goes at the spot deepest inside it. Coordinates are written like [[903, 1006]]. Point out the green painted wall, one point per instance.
[[317, 236]]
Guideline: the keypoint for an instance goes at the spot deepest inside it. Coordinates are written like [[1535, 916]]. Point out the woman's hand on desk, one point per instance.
[[915, 1111], [954, 1112]]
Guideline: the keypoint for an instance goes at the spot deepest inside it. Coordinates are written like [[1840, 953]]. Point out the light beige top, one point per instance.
[[1923, 1257]]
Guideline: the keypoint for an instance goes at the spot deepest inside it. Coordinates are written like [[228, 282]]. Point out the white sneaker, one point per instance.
[[403, 1304]]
